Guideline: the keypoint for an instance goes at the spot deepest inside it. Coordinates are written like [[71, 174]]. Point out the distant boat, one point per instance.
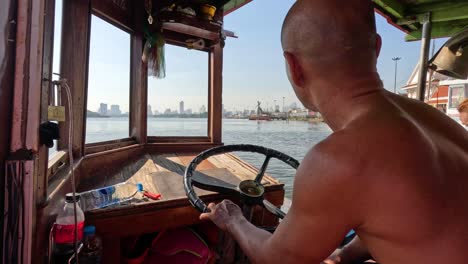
[[261, 115]]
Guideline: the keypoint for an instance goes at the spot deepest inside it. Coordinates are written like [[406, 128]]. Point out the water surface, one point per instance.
[[293, 138]]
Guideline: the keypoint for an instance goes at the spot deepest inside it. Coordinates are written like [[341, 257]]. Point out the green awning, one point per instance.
[[449, 17], [232, 5]]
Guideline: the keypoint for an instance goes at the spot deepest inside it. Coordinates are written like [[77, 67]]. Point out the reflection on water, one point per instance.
[[292, 138]]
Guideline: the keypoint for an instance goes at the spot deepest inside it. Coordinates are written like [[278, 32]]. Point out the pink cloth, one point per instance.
[[178, 246]]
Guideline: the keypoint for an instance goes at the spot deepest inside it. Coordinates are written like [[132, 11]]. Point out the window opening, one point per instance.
[[178, 104], [108, 99]]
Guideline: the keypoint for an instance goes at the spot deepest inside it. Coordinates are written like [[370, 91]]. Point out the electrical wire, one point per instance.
[[14, 216]]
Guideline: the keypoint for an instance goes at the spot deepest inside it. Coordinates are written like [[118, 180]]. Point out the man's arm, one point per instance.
[[325, 206], [354, 252]]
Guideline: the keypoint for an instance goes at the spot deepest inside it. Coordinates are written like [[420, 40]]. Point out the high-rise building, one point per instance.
[[150, 111], [181, 107], [202, 109], [102, 109], [115, 110]]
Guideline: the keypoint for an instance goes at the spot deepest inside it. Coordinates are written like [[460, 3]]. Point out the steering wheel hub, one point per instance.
[[251, 192]]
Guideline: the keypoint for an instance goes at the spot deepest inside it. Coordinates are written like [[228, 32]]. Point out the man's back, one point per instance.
[[415, 178]]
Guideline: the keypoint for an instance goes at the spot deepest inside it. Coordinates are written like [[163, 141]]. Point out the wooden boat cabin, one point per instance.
[[36, 183]]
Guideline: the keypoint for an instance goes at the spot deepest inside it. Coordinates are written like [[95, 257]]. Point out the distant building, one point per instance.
[[115, 110], [411, 87], [167, 111], [293, 106], [102, 109], [150, 111], [188, 111], [202, 109], [181, 107]]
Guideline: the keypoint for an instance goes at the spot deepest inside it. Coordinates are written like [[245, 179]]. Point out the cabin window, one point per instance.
[[457, 95], [178, 104], [108, 83]]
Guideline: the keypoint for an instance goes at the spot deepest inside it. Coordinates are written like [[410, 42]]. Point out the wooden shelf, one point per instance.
[[190, 25]]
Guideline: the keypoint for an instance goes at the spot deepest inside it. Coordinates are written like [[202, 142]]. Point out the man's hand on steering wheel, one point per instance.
[[222, 214]]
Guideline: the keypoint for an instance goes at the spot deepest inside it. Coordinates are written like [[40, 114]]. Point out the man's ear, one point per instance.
[[378, 45], [296, 71]]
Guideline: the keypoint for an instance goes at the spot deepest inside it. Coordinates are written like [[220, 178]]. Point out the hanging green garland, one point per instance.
[[155, 55], [154, 52]]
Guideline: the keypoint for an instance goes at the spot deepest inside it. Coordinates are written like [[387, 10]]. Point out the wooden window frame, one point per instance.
[[214, 127], [187, 139], [101, 146], [82, 11]]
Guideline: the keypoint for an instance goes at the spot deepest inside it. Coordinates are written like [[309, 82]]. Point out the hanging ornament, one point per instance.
[[154, 54], [149, 10]]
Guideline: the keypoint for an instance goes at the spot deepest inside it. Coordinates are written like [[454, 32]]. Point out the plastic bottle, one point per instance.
[[111, 195], [64, 230], [91, 253]]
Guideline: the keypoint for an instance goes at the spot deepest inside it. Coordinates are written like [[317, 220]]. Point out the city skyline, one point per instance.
[[114, 110]]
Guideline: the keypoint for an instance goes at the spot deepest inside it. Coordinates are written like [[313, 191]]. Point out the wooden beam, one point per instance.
[[392, 7], [441, 11], [74, 68], [215, 94], [440, 30], [26, 111], [138, 83], [47, 86], [119, 13]]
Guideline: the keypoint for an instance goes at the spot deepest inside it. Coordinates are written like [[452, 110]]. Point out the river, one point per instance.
[[293, 138]]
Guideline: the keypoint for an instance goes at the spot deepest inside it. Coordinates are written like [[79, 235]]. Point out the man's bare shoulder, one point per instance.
[[355, 155], [329, 178], [335, 163]]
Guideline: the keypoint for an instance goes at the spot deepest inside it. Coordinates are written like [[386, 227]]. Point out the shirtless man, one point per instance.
[[395, 170]]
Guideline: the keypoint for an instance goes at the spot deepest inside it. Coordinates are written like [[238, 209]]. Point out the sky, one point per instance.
[[254, 68]]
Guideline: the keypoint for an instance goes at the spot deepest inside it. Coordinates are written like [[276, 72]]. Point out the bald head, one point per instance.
[[330, 30]]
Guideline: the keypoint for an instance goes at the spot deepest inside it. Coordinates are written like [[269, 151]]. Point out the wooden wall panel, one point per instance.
[[7, 66], [43, 154], [108, 162], [74, 68]]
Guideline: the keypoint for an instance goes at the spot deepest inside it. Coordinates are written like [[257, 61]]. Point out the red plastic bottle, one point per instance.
[[64, 230]]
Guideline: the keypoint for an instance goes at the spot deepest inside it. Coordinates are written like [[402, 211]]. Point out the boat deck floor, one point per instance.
[[163, 174]]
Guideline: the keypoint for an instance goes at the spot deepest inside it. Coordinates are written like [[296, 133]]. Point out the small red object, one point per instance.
[[152, 196]]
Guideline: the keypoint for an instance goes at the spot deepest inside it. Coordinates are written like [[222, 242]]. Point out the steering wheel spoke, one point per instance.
[[218, 186], [273, 209], [262, 170]]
